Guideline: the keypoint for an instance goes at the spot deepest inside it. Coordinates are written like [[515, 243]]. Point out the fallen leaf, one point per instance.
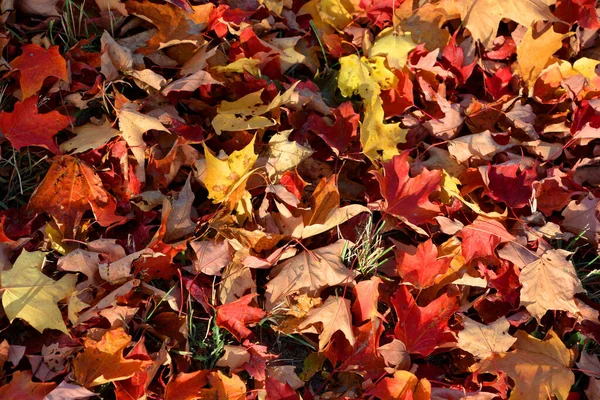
[[224, 388], [178, 211], [224, 174], [400, 386], [483, 341], [69, 391], [69, 189], [422, 329], [26, 127], [89, 137], [334, 315], [36, 64], [133, 125], [420, 266], [482, 17], [22, 387], [408, 198], [481, 238], [395, 354], [533, 53], [235, 315], [186, 386], [45, 8], [550, 283], [102, 361], [32, 296], [394, 46], [174, 26], [539, 367], [210, 257], [480, 146], [309, 272], [581, 217]]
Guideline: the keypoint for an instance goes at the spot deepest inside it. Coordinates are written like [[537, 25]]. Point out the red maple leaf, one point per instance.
[[340, 134], [422, 329], [408, 198], [510, 184], [480, 239], [581, 11], [36, 64], [420, 266], [236, 315], [26, 127]]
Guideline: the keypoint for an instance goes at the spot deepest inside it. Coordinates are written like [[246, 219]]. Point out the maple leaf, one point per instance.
[[581, 11], [540, 368], [483, 341], [174, 26], [224, 388], [24, 126], [223, 176], [361, 357], [36, 64], [178, 221], [69, 189], [422, 329], [102, 361], [250, 357], [482, 17], [395, 355], [400, 386], [340, 133], [357, 76], [480, 146], [582, 217], [234, 316], [89, 137], [420, 266], [394, 46], [32, 296], [133, 125], [186, 386], [510, 184], [326, 212], [22, 387], [309, 272], [367, 298], [334, 315], [533, 53], [481, 238], [550, 283], [408, 198], [210, 257]]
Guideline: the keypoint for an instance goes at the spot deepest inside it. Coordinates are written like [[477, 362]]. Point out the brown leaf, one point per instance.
[[539, 368], [334, 315], [483, 341], [178, 211], [210, 257], [550, 283], [309, 272]]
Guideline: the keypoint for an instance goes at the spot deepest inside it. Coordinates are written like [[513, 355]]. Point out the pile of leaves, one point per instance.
[[286, 199]]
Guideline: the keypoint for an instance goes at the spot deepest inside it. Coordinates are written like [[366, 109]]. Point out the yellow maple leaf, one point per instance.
[[32, 296], [540, 368], [394, 46], [364, 77], [224, 175], [534, 53]]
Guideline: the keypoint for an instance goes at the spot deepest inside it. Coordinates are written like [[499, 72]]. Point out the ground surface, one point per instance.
[[333, 199]]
